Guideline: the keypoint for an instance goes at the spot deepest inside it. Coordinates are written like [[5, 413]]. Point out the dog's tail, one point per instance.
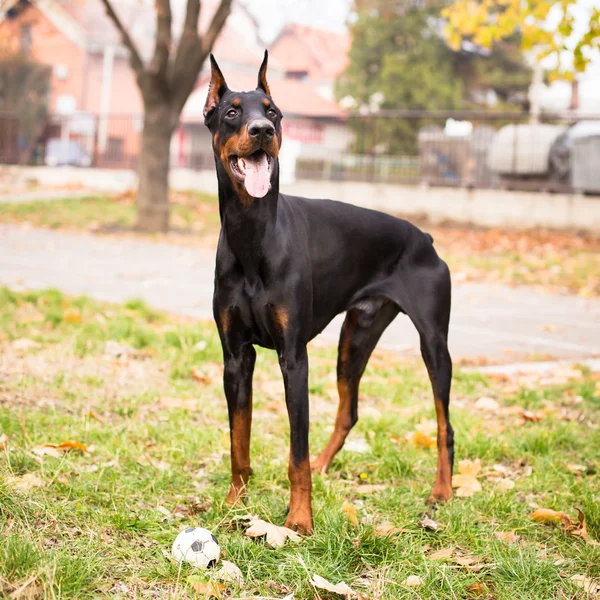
[[428, 236]]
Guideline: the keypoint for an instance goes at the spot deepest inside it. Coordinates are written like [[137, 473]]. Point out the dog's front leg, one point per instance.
[[237, 379], [294, 368]]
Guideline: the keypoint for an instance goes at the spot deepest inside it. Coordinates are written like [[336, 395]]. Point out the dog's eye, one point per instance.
[[272, 113], [231, 113]]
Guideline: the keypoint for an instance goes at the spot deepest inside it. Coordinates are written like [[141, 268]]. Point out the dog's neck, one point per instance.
[[248, 224]]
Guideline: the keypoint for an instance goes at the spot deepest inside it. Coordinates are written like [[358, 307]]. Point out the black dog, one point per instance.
[[286, 266]]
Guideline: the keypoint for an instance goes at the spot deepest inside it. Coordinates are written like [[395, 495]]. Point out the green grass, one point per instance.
[[100, 522], [191, 213]]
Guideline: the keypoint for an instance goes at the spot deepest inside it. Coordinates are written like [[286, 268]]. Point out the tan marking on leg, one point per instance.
[[442, 489], [225, 321], [340, 431], [300, 516], [281, 316], [240, 455], [343, 422]]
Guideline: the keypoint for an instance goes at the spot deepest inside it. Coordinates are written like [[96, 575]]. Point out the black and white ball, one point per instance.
[[197, 546]]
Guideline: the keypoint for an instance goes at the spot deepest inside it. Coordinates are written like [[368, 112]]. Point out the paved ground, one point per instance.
[[495, 321]]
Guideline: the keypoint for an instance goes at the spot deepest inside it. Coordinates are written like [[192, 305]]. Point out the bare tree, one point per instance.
[[165, 84]]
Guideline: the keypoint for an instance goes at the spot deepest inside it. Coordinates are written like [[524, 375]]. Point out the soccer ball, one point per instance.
[[197, 546]]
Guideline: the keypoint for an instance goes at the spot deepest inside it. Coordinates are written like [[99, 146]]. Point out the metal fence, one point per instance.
[[472, 149]]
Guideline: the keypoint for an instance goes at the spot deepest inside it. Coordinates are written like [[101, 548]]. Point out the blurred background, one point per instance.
[[374, 91]]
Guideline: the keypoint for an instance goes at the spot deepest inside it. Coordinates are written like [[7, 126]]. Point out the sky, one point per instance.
[[273, 14]]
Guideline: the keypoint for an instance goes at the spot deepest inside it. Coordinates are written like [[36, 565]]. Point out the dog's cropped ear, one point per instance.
[[216, 88], [262, 76]]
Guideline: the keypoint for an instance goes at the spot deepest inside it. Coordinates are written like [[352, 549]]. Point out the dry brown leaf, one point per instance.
[[25, 482], [208, 589], [467, 561], [198, 375], [466, 479], [276, 536], [230, 572], [350, 511], [412, 581], [428, 523], [387, 529], [580, 528], [531, 417], [590, 586], [477, 589], [369, 488], [57, 450], [3, 441], [443, 553], [510, 537], [340, 588]]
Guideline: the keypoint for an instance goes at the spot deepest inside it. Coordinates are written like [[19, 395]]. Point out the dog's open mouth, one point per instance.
[[254, 171]]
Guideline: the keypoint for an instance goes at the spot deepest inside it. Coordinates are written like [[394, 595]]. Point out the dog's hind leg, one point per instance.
[[361, 331], [428, 306]]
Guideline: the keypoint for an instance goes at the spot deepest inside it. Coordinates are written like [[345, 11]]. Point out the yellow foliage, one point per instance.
[[488, 21]]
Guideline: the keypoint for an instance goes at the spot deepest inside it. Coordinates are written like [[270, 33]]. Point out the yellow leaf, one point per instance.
[[25, 482], [350, 511], [208, 589], [547, 515], [466, 479], [72, 316], [422, 440]]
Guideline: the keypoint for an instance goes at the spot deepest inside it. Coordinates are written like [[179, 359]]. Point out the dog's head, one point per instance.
[[246, 131]]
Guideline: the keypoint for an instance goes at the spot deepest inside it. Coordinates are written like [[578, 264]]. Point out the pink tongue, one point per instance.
[[257, 176]]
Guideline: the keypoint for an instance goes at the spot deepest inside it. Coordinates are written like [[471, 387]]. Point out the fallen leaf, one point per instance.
[[161, 465], [505, 484], [547, 515], [350, 511], [509, 537], [421, 440], [467, 561], [387, 529], [531, 417], [412, 581], [368, 488], [209, 589], [466, 479], [487, 404], [230, 572], [590, 586], [440, 554], [580, 528], [276, 536], [340, 588], [477, 589], [25, 482], [72, 316], [57, 450], [3, 441], [428, 523]]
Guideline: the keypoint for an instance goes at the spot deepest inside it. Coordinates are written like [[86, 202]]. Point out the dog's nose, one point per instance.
[[261, 129]]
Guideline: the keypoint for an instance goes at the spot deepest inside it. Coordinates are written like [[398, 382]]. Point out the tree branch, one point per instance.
[[187, 44], [192, 12], [162, 45], [193, 50], [134, 55], [218, 20]]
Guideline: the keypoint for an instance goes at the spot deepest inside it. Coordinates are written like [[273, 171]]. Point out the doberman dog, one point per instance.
[[286, 266]]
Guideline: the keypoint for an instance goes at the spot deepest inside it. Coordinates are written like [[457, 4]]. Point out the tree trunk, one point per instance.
[[153, 190]]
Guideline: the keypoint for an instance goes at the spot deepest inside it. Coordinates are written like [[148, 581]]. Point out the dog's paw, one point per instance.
[[302, 523], [440, 495]]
